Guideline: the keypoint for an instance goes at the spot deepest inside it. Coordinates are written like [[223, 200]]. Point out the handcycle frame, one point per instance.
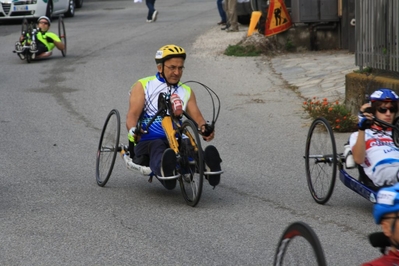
[[183, 138], [322, 160], [29, 46]]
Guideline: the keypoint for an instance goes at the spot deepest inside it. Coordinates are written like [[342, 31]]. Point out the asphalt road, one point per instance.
[[53, 213]]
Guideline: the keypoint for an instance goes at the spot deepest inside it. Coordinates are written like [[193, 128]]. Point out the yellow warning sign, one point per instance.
[[278, 19]]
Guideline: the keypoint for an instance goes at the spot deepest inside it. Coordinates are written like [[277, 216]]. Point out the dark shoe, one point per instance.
[[168, 163], [221, 23], [212, 164]]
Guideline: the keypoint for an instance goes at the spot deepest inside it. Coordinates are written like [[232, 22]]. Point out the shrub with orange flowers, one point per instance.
[[339, 117]]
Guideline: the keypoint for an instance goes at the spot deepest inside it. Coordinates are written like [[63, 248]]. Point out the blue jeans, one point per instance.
[[221, 10], [150, 4]]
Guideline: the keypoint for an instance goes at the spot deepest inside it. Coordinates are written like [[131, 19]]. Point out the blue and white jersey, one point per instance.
[[153, 86], [381, 164]]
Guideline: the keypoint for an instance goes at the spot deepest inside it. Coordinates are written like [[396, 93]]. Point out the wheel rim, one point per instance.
[[108, 148], [190, 165], [321, 160]]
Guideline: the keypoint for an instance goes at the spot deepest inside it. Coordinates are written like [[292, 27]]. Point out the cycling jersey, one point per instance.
[[392, 259], [153, 86], [42, 37], [381, 164]]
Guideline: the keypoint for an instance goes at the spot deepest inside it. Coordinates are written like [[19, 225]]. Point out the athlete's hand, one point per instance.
[[207, 131], [364, 123]]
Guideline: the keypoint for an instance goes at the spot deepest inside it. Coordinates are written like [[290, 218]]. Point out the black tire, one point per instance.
[[71, 9], [395, 131], [78, 3], [321, 160], [108, 147], [299, 245], [49, 10], [190, 163], [28, 56], [62, 35]]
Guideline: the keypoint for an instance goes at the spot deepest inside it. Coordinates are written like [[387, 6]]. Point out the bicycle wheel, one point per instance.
[[395, 131], [190, 163], [62, 35], [321, 160], [24, 27], [108, 147], [299, 245]]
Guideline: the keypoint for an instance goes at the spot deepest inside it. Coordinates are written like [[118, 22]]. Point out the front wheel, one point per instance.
[[190, 163], [321, 160], [62, 35], [299, 245], [108, 147]]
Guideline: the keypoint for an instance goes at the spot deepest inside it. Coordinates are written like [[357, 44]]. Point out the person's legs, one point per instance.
[[222, 13], [232, 15], [151, 9]]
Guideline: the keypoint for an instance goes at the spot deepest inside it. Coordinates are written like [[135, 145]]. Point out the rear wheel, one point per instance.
[[28, 56], [108, 147], [190, 163], [62, 35], [321, 160], [24, 27], [395, 131], [299, 245]]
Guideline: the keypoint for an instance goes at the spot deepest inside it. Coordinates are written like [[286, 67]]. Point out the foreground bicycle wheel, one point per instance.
[[320, 160], [190, 163], [108, 147], [299, 245], [62, 35]]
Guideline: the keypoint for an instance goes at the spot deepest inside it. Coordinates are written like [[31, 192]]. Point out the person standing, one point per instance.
[[222, 13], [232, 20], [152, 13]]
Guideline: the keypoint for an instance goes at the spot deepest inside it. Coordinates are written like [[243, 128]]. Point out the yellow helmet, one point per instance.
[[169, 51]]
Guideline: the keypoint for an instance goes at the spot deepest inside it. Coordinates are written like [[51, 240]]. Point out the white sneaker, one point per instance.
[[154, 16], [149, 20], [349, 160]]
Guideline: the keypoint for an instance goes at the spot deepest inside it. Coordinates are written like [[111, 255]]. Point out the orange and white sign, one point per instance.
[[278, 18]]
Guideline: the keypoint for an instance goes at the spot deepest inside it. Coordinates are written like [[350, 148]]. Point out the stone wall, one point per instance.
[[360, 84]]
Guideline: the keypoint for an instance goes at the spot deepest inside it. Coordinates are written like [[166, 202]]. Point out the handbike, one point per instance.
[[321, 160], [183, 138], [28, 47], [299, 245]]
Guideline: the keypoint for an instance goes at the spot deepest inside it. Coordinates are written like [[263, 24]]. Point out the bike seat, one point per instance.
[[363, 178]]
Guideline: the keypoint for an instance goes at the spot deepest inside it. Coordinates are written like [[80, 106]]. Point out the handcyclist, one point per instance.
[[45, 40], [372, 145], [152, 148], [386, 213]]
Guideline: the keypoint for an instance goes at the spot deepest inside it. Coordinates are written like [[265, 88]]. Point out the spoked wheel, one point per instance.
[[62, 35], [299, 245], [395, 131], [321, 160], [190, 163], [24, 27], [108, 147]]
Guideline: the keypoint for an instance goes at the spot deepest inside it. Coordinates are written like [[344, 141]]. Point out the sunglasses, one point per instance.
[[383, 110], [42, 22]]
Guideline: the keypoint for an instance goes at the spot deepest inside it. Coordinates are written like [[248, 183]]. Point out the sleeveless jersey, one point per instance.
[[153, 86], [381, 164]]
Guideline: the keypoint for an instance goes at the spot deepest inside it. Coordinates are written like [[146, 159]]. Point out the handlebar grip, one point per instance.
[[209, 128]]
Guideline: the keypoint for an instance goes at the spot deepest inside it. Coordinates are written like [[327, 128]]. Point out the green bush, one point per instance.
[[238, 50]]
